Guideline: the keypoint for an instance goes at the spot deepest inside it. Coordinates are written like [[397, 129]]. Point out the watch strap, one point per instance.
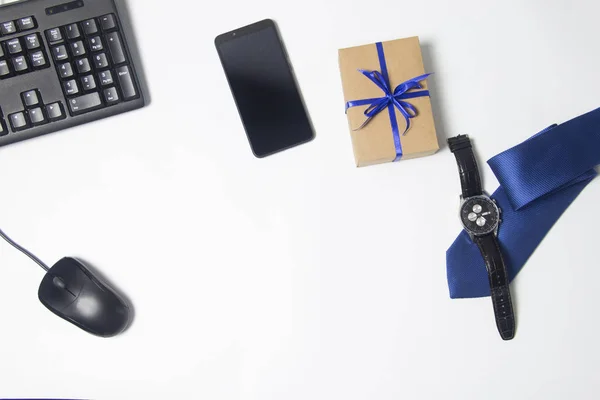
[[467, 165], [500, 292]]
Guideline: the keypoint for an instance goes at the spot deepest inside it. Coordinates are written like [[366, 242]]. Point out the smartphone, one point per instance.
[[264, 88]]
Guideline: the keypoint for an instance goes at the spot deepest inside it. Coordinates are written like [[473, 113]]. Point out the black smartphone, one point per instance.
[[264, 88]]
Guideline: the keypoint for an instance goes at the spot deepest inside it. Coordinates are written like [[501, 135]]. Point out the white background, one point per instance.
[[299, 276]]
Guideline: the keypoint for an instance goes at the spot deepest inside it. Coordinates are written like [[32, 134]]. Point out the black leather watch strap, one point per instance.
[[467, 166], [494, 263]]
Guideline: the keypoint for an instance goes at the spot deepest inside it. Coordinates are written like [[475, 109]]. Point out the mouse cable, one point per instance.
[[23, 250]]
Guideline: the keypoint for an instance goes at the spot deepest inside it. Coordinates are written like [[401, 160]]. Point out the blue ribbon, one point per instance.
[[391, 99]]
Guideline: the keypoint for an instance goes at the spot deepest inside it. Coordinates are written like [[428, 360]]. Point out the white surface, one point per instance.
[[299, 276]]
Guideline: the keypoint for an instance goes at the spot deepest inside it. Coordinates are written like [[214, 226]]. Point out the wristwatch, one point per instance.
[[480, 216]]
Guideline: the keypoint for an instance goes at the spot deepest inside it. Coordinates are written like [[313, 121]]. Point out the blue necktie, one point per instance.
[[539, 179]]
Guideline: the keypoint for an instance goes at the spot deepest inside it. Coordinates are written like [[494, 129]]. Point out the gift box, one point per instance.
[[387, 101]]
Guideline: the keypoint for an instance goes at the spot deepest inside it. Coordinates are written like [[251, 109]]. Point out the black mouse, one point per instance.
[[73, 293]]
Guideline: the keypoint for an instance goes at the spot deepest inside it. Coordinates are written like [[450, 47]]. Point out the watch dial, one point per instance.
[[479, 215]]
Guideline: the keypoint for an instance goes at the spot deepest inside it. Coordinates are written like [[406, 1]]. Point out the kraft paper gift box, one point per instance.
[[378, 78]]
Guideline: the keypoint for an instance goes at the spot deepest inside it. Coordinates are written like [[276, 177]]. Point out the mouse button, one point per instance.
[[96, 299], [65, 266], [90, 309]]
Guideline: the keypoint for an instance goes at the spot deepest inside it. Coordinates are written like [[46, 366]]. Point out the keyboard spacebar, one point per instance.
[[85, 103]]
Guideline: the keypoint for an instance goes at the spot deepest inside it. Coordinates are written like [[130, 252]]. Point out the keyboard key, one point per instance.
[[72, 31], [126, 82], [18, 121], [59, 53], [111, 96], [32, 42], [4, 69], [108, 22], [88, 82], [77, 49], [55, 111], [30, 98], [89, 27], [20, 64], [38, 59], [8, 28], [26, 24], [83, 65], [65, 70], [14, 46], [117, 53], [96, 43], [54, 35], [70, 87], [105, 78], [1, 50], [100, 61], [36, 116], [87, 102], [3, 130]]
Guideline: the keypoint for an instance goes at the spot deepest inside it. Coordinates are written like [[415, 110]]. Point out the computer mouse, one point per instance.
[[73, 293]]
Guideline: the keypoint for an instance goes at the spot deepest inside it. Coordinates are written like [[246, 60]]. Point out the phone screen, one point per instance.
[[264, 88]]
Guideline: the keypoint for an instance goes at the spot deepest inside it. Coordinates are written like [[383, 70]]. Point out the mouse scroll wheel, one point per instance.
[[59, 282]]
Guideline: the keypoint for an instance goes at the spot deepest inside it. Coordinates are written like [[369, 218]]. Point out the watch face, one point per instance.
[[479, 215]]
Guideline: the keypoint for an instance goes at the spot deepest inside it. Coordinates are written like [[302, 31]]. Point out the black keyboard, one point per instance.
[[62, 64]]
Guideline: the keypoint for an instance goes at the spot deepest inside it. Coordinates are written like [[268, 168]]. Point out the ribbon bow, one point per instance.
[[391, 99]]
